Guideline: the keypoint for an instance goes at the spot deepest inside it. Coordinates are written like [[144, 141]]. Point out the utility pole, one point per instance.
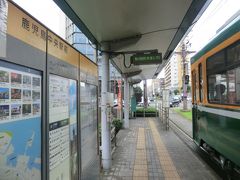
[[185, 78]]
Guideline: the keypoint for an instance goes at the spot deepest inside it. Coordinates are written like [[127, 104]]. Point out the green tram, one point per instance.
[[215, 74]]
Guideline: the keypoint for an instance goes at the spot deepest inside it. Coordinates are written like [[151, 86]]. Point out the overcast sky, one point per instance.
[[217, 13], [47, 12]]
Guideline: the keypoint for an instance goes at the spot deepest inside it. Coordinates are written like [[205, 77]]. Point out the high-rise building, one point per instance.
[[174, 71], [78, 40], [172, 74]]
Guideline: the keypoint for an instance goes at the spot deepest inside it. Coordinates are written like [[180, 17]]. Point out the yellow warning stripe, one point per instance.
[[169, 170], [140, 170]]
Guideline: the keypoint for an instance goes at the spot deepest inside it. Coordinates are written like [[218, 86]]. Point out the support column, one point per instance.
[[105, 124], [126, 103]]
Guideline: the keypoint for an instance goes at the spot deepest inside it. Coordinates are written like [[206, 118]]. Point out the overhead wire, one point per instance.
[[214, 10]]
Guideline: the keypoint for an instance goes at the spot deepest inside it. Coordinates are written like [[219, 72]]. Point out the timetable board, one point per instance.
[[20, 123], [62, 128]]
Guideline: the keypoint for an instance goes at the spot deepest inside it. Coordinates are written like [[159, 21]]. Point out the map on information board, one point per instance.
[[20, 125]]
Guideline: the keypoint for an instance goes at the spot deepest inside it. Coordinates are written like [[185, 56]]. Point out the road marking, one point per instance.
[[168, 167], [140, 170]]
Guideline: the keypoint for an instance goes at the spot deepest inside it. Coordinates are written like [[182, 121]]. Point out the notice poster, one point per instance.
[[73, 129], [3, 26], [20, 126], [59, 140]]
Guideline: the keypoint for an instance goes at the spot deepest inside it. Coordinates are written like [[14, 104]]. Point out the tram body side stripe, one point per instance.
[[222, 112]]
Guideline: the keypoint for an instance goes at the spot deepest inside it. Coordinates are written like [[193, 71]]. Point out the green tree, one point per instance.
[[176, 91], [138, 93]]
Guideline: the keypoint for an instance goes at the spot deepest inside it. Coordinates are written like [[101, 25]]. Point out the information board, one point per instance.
[[62, 128], [145, 59], [59, 145], [20, 125]]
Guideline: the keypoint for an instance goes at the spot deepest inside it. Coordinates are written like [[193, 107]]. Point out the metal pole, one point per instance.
[[183, 78], [106, 135], [156, 108], [145, 96], [126, 103]]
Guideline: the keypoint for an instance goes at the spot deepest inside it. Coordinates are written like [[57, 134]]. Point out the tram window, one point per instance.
[[217, 91], [224, 88], [233, 77], [233, 54], [200, 82], [216, 63], [224, 79], [237, 87]]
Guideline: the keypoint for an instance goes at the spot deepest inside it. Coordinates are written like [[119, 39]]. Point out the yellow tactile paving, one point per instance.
[[169, 170], [140, 169]]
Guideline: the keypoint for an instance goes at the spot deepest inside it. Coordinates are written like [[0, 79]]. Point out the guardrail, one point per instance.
[[113, 139]]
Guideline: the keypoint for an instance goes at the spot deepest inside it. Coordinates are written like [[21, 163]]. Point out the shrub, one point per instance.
[[149, 112], [117, 123]]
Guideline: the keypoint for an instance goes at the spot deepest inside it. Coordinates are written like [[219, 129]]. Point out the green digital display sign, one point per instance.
[[145, 59]]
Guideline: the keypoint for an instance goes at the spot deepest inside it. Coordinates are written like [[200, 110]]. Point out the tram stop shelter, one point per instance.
[[121, 29]]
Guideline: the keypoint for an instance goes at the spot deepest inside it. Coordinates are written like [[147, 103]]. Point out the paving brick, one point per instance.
[[140, 157]]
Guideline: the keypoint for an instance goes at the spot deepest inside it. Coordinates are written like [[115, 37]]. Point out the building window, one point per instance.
[[223, 71]]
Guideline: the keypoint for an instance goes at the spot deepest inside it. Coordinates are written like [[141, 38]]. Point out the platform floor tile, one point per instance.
[[146, 151]]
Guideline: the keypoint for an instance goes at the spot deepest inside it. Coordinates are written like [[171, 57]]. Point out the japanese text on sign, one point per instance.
[[41, 33]]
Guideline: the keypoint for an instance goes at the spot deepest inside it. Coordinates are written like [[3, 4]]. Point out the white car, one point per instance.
[[115, 103]]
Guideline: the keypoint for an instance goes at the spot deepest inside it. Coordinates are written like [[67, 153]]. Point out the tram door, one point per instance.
[[194, 103]]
